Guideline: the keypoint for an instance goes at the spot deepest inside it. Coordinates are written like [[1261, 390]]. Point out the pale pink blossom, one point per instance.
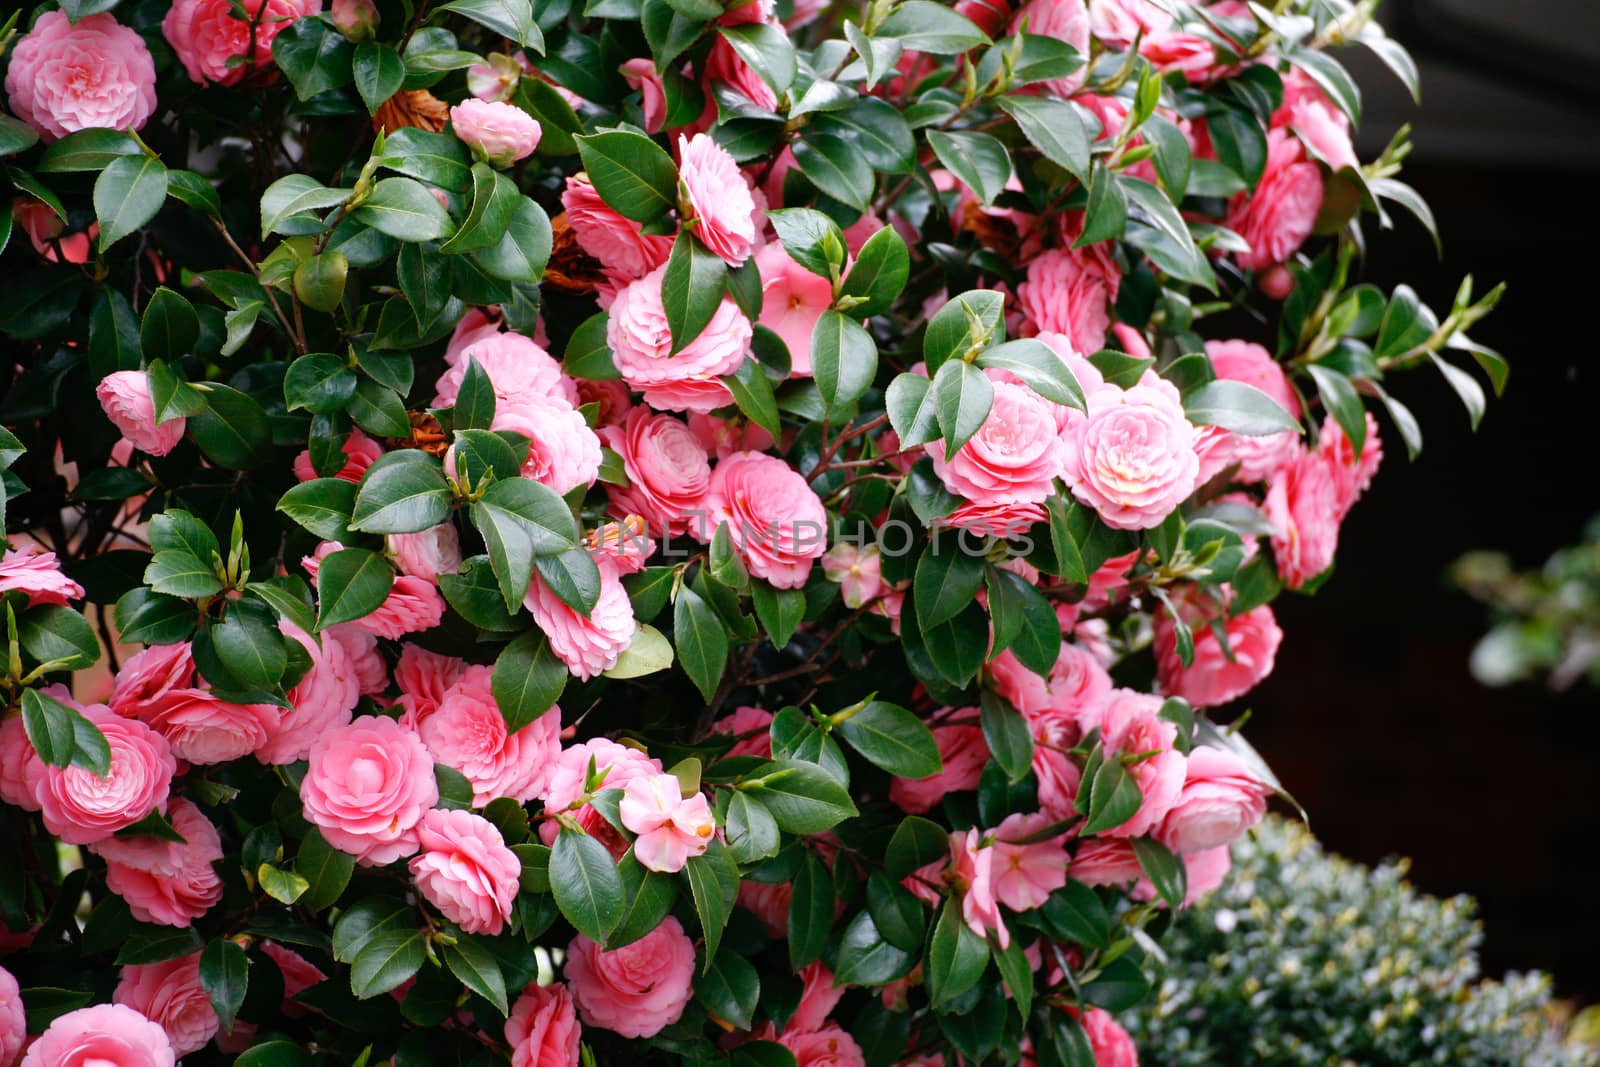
[[1070, 291], [1131, 726], [1244, 361], [542, 1028], [792, 300], [499, 134], [563, 452], [609, 237], [467, 732], [1220, 800], [592, 644], [641, 347], [1024, 875], [1106, 861], [749, 725], [496, 79], [13, 1020], [102, 1035], [520, 371], [1303, 507], [1219, 673], [777, 522], [1013, 458], [1111, 1044], [1075, 686], [37, 575], [81, 808], [170, 883], [1065, 20], [670, 827], [858, 569], [963, 752], [125, 398], [367, 787], [1351, 475], [428, 553], [826, 1047], [359, 452], [722, 212], [412, 605], [170, 994], [207, 35], [1277, 217], [641, 75], [818, 997], [668, 473], [974, 877], [322, 700]]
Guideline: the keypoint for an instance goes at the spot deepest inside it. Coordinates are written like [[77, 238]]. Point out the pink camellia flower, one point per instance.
[[1111, 1044], [356, 19], [367, 787], [750, 725], [499, 134], [725, 67], [1351, 475], [592, 644], [626, 544], [768, 902], [412, 604], [1015, 456], [37, 575], [1205, 871], [20, 766], [825, 1047], [1075, 687], [667, 470], [1055, 733], [818, 997], [204, 730], [1277, 218], [1065, 20], [13, 1020], [1132, 459], [467, 732], [963, 752], [641, 75], [1183, 53], [298, 976], [1106, 861], [82, 808], [974, 877], [102, 1035], [495, 80], [542, 1028], [563, 452], [1024, 875], [170, 994], [1131, 725], [635, 990], [1218, 674], [723, 437], [170, 883], [1118, 22], [45, 232], [428, 553], [359, 452], [641, 346], [95, 74], [465, 870], [125, 398], [424, 677], [859, 571], [671, 827], [519, 369], [321, 701], [1070, 291], [148, 676], [206, 35], [792, 300], [1245, 361], [614, 765], [777, 522], [1220, 800], [610, 238], [1303, 507]]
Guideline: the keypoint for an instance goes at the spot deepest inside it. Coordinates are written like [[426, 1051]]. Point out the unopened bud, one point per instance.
[[356, 19]]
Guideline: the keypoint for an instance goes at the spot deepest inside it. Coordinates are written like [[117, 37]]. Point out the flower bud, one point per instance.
[[496, 80], [356, 19]]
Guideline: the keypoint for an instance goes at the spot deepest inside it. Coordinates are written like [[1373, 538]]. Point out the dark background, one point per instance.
[[1371, 718]]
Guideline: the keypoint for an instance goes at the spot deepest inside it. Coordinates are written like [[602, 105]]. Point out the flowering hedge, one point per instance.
[[695, 532]]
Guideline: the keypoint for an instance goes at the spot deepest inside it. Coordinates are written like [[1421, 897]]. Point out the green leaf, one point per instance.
[[752, 391], [701, 641], [527, 680], [1008, 735], [319, 383], [1173, 158], [768, 51], [369, 917], [1237, 406], [169, 327], [779, 611], [127, 194], [1466, 387], [179, 573], [969, 321], [520, 519], [225, 976], [916, 842], [573, 577], [16, 136], [811, 238], [956, 956], [1113, 798], [631, 173], [326, 870], [508, 18], [388, 958], [1106, 216], [62, 737], [978, 161], [379, 72], [910, 401], [1406, 324], [273, 1054], [1177, 254], [171, 396], [1017, 972], [714, 884], [521, 254], [1240, 143], [495, 198], [113, 335], [405, 210], [313, 55], [1024, 622], [1165, 871], [867, 958], [649, 896], [894, 739], [403, 492], [250, 645], [157, 944], [1339, 396], [836, 168], [879, 273], [691, 289], [667, 31], [322, 506], [924, 26], [586, 885], [947, 581], [844, 360], [352, 583], [437, 158], [963, 395], [729, 989], [1075, 914], [153, 618], [52, 633], [293, 196], [803, 798], [896, 912], [750, 829], [877, 129], [478, 970], [233, 430], [811, 910], [87, 150], [319, 281], [1039, 368]]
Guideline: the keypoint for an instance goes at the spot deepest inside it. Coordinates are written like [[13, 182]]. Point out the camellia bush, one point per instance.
[[654, 531]]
